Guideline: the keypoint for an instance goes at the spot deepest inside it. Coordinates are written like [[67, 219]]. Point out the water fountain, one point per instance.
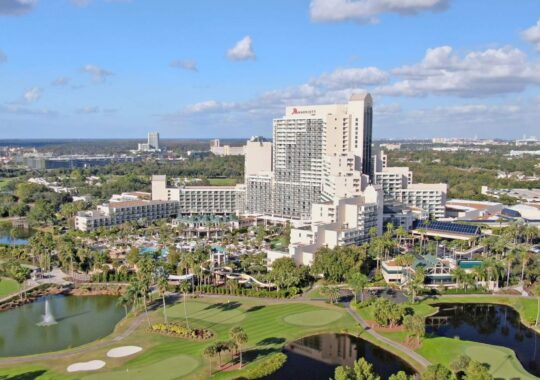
[[48, 318]]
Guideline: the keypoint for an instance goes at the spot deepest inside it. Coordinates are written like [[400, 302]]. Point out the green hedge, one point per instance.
[[283, 293], [267, 366]]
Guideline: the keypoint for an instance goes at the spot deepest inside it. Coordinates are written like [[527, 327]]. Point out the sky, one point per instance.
[[226, 68]]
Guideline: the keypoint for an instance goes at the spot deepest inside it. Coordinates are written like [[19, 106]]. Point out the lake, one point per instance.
[[316, 357], [498, 325], [80, 320]]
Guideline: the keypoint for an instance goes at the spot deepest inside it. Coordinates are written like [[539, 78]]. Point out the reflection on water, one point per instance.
[[315, 357], [488, 323], [80, 320]]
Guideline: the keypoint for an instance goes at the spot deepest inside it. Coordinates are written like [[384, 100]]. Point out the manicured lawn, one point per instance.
[[172, 368], [313, 318], [502, 361], [222, 181], [8, 286], [165, 357]]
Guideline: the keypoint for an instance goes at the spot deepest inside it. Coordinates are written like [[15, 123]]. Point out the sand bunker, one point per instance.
[[92, 365], [120, 352]]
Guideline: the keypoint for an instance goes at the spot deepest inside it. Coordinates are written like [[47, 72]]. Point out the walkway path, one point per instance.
[[407, 351]]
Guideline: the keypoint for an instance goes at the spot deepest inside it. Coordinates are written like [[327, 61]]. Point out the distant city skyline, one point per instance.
[[121, 68]]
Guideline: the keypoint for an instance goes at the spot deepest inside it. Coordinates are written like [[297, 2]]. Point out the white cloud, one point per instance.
[[532, 35], [97, 73], [242, 50], [352, 77], [368, 10], [61, 81], [32, 95], [477, 74], [17, 109], [16, 7], [186, 64], [3, 57]]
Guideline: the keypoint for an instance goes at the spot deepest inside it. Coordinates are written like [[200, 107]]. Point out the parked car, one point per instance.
[[535, 249]]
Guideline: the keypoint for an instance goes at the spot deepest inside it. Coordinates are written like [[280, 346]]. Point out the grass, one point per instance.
[[8, 286], [313, 318], [164, 357], [222, 181], [502, 361]]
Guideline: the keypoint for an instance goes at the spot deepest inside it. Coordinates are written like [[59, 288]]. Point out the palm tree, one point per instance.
[[239, 336], [524, 256], [162, 288], [124, 302], [210, 352], [184, 289], [416, 283], [358, 282], [509, 261], [459, 274]]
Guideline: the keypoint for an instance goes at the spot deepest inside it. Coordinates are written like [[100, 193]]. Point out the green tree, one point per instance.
[[436, 372], [477, 371], [162, 285], [362, 370], [358, 282], [210, 353], [416, 283], [415, 326], [184, 289], [238, 336], [284, 273], [459, 364], [332, 292], [401, 375]]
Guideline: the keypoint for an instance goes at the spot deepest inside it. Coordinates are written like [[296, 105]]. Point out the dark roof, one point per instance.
[[456, 228]]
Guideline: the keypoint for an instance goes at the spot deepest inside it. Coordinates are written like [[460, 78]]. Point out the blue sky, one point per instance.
[[221, 68]]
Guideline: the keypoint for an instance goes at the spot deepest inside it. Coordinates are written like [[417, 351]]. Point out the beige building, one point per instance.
[[217, 200], [225, 150], [258, 156], [345, 221], [114, 213], [397, 185]]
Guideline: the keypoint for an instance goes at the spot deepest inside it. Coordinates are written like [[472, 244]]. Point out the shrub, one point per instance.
[[267, 366], [176, 329]]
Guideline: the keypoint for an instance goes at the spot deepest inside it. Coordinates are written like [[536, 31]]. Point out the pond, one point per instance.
[[76, 320], [316, 357], [7, 240], [498, 325]]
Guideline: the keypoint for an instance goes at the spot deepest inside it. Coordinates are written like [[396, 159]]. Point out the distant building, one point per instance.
[[524, 195], [46, 162], [532, 140], [225, 150], [152, 144]]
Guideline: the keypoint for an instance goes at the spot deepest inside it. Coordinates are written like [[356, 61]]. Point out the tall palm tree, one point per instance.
[[459, 275], [210, 353], [184, 289], [162, 285], [510, 258], [239, 337]]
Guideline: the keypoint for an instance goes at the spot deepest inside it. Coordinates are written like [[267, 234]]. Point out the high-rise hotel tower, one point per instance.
[[306, 138]]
